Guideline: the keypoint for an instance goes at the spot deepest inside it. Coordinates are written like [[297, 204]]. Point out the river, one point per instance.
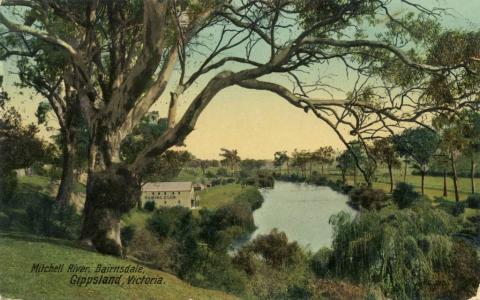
[[300, 210]]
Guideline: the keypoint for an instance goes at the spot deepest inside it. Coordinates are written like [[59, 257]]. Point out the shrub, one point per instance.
[[252, 196], [149, 205], [8, 185], [473, 201], [368, 198], [458, 208], [318, 180], [244, 260], [46, 217], [146, 247], [404, 195], [291, 177], [338, 290], [276, 249], [222, 172], [127, 233], [214, 270], [320, 263], [453, 208], [219, 228], [465, 270], [209, 174], [170, 222]]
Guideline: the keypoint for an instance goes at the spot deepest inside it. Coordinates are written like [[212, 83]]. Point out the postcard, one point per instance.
[[239, 149]]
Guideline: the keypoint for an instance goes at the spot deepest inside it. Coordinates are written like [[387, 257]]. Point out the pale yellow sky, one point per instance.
[[256, 123]]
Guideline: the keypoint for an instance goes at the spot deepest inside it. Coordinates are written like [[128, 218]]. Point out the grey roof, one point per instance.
[[167, 186]]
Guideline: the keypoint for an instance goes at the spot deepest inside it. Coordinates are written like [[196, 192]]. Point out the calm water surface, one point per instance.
[[301, 211]]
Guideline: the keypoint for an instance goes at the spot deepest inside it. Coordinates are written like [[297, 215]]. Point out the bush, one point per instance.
[[368, 198], [320, 263], [473, 201], [170, 222], [149, 205], [127, 233], [209, 174], [291, 177], [453, 208], [276, 249], [161, 254], [252, 196], [221, 227], [8, 185], [222, 172], [46, 217], [338, 290], [318, 180], [404, 195], [459, 208], [214, 270]]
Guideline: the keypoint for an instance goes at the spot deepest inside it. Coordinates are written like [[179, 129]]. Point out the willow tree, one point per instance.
[[123, 56]]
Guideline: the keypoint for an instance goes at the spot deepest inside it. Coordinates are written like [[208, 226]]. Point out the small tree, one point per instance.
[[345, 162], [384, 151], [300, 159], [324, 156], [404, 195], [419, 144], [279, 159]]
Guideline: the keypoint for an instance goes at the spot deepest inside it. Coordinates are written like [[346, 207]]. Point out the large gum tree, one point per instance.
[[124, 55]]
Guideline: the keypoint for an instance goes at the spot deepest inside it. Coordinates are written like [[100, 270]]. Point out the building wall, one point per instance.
[[169, 199]]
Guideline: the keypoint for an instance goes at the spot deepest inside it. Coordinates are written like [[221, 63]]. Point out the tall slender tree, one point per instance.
[[384, 151]]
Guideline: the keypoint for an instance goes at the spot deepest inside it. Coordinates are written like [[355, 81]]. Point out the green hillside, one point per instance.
[[18, 253]]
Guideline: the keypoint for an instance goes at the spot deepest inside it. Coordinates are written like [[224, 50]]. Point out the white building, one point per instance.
[[169, 194]]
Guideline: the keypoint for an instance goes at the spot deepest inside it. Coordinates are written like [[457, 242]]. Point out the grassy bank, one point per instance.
[[433, 184], [19, 252], [219, 195]]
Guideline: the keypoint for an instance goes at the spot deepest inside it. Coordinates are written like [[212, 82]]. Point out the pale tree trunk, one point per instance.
[[472, 175], [67, 180], [112, 190], [454, 177]]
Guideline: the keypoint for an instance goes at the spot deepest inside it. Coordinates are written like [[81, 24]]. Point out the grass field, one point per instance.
[[433, 184], [19, 252], [40, 182], [219, 195]]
